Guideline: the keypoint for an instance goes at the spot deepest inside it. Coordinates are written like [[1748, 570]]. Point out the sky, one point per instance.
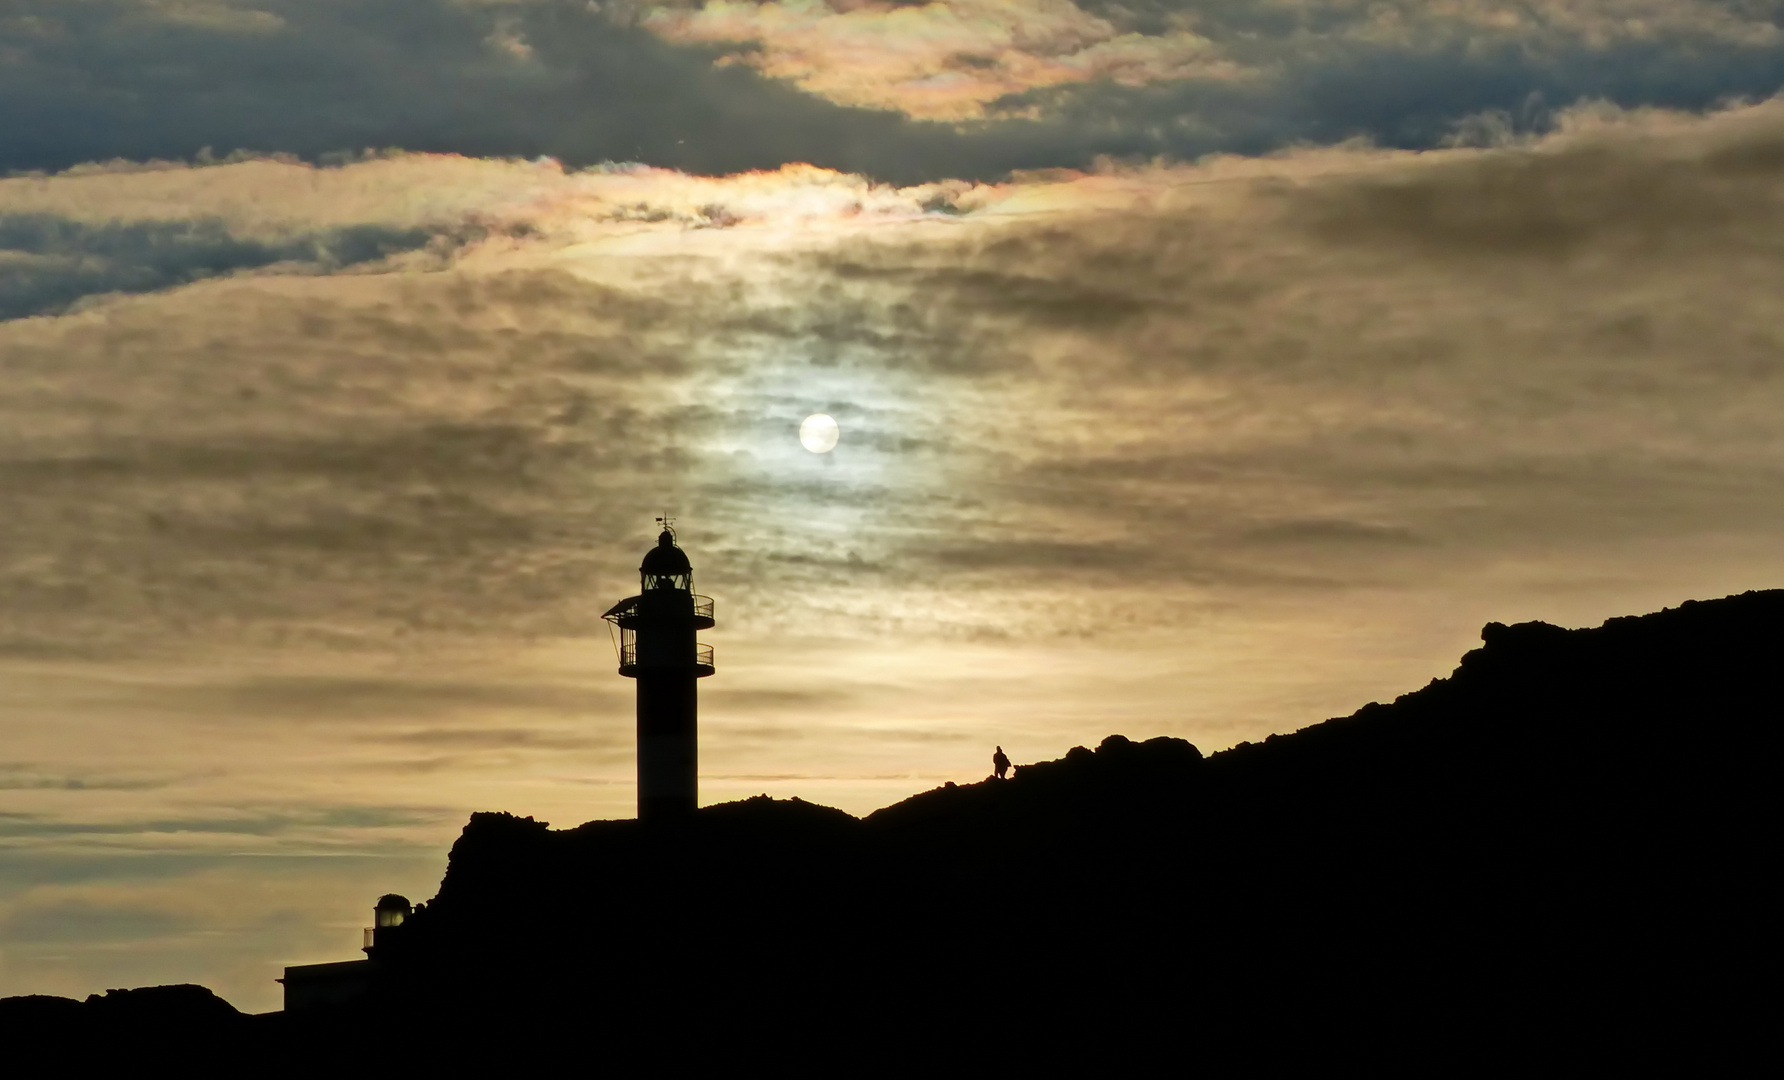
[[1203, 369]]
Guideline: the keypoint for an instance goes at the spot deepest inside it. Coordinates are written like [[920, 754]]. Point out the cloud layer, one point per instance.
[[302, 550], [1167, 377], [903, 92]]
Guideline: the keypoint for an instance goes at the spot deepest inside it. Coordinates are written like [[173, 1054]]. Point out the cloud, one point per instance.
[[1180, 77], [1329, 531], [118, 78], [48, 263], [940, 60], [24, 776], [1063, 380], [500, 739], [361, 698], [78, 923], [262, 824], [906, 93]]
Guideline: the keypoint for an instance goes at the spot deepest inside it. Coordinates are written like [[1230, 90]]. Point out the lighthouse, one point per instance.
[[657, 648]]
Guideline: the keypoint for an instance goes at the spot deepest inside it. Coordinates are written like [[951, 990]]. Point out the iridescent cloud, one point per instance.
[[963, 59], [942, 61]]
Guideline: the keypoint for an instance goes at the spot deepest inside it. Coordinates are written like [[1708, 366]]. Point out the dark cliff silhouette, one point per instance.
[[1562, 840]]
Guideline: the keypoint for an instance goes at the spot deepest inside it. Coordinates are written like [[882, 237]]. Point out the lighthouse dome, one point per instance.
[[391, 910], [665, 560]]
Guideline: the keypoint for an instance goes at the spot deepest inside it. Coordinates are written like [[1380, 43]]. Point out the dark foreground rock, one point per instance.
[[1558, 845]]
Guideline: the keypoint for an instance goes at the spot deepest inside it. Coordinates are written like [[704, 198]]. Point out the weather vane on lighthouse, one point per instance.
[[657, 648]]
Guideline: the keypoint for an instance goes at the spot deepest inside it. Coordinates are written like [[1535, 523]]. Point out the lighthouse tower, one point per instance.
[[657, 647]]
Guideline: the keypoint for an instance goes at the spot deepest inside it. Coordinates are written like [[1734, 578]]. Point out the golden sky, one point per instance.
[[316, 476]]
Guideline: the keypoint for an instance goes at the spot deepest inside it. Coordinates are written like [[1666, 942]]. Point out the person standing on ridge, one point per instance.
[[1000, 763]]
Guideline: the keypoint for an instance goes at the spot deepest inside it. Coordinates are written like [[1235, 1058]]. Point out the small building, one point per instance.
[[349, 982]]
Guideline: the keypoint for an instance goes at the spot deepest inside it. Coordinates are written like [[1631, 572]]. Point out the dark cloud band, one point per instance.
[[48, 263], [115, 78]]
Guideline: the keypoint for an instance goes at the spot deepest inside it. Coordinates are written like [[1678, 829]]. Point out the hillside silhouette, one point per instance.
[[1562, 839]]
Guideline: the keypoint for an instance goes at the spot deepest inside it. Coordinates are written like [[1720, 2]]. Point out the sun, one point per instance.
[[819, 433]]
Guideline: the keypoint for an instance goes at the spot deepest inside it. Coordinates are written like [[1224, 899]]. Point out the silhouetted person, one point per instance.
[[1000, 763]]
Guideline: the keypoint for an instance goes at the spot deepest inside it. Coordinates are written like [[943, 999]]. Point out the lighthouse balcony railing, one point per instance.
[[625, 613], [628, 655]]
